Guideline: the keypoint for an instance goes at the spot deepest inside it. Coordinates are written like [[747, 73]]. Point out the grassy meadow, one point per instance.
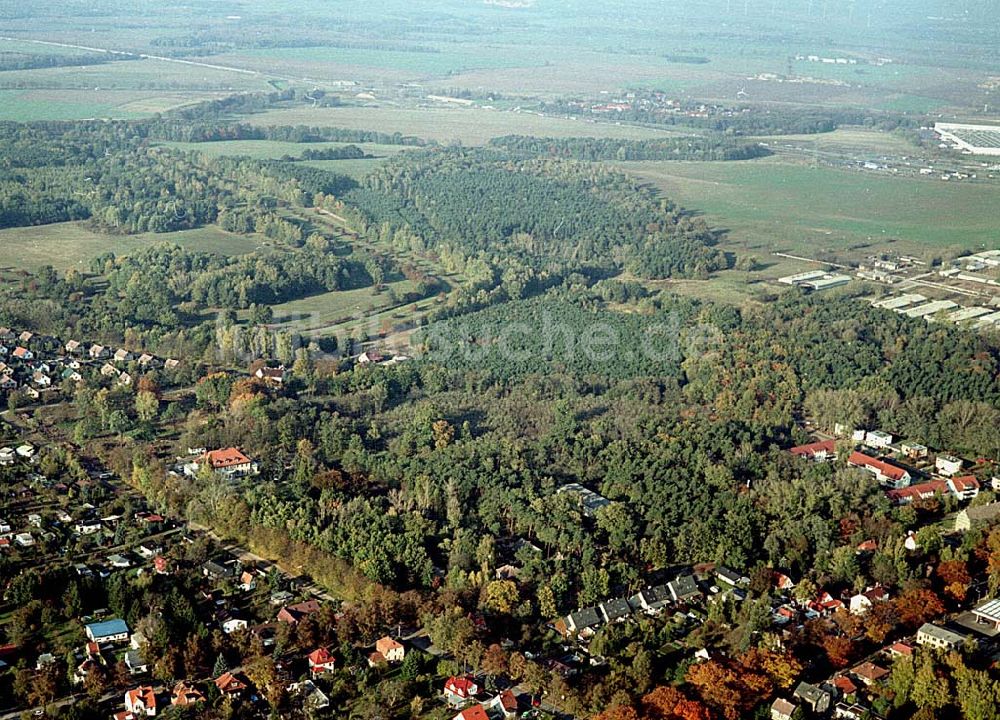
[[471, 126], [71, 245], [773, 205]]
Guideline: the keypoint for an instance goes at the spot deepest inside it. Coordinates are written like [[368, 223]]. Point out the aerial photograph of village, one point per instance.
[[500, 360]]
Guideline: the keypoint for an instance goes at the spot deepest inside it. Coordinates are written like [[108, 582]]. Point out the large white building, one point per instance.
[[975, 139]]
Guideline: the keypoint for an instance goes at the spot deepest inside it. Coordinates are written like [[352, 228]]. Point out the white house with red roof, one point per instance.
[[476, 712], [321, 662], [459, 690], [141, 701], [920, 491], [886, 473], [862, 601], [964, 487], [390, 650], [502, 707], [821, 451], [227, 461]]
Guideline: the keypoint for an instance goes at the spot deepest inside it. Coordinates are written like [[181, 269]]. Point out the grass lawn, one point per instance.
[[772, 205], [73, 245], [472, 126]]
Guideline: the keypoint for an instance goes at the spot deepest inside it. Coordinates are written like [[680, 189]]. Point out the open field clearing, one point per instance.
[[274, 149], [322, 312], [72, 245], [472, 126], [770, 205], [46, 104]]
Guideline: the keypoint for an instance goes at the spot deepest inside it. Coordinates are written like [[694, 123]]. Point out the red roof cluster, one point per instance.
[[964, 483]]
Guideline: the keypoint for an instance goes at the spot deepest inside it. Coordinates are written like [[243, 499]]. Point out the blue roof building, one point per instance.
[[108, 631]]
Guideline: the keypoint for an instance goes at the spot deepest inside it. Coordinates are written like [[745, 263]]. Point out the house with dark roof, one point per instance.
[[815, 697], [615, 610], [684, 589], [583, 620]]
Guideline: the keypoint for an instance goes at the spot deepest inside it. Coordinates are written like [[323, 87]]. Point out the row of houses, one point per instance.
[[34, 363], [652, 600]]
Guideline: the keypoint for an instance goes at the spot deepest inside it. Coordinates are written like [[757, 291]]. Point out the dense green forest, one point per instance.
[[596, 149], [546, 213]]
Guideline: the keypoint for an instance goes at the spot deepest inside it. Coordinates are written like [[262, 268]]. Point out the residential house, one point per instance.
[[124, 379], [271, 376], [26, 337], [731, 577], [45, 660], [147, 361], [615, 610], [822, 451], [228, 461], [171, 364], [71, 374], [938, 637], [913, 451], [7, 456], [844, 685], [311, 697], [230, 685], [108, 631], [23, 353], [921, 491], [98, 352], [899, 649], [109, 370], [948, 465], [878, 439], [815, 697], [502, 707], [825, 604], [783, 582], [123, 356], [230, 622], [782, 709], [88, 527], [869, 673], [73, 347], [24, 539], [321, 662], [684, 589], [185, 695], [475, 712], [392, 651], [135, 663], [862, 601], [459, 690], [216, 570], [119, 561], [141, 701], [963, 487], [292, 614], [41, 379], [583, 621], [975, 517], [886, 473], [654, 598], [248, 582]]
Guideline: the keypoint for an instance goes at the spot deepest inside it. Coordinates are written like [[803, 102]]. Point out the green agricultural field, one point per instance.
[[50, 104], [472, 126], [772, 205], [72, 245]]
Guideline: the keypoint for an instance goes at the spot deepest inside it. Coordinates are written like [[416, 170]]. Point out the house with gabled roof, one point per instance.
[[186, 695], [583, 621], [963, 487], [822, 451], [815, 697], [141, 701], [392, 651], [97, 352], [886, 473], [861, 602], [683, 589], [869, 673], [321, 662], [22, 353], [782, 709], [123, 356], [292, 614], [230, 685], [654, 598], [459, 690], [615, 610]]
